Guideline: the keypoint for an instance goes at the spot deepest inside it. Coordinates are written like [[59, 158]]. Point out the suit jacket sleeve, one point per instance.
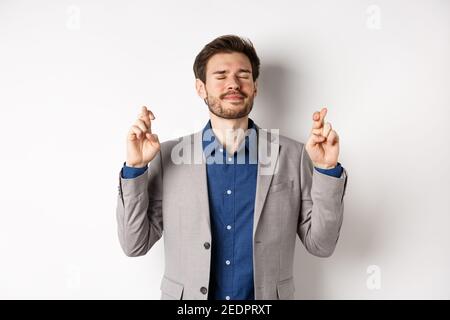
[[322, 208], [139, 210]]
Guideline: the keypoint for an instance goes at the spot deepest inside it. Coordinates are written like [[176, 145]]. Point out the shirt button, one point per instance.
[[228, 262], [230, 159], [206, 245], [221, 150], [228, 191], [203, 290], [228, 227], [227, 297]]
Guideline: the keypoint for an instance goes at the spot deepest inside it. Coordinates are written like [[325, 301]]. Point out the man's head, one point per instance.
[[226, 71]]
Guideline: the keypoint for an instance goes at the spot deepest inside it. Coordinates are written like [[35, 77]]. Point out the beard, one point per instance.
[[229, 109]]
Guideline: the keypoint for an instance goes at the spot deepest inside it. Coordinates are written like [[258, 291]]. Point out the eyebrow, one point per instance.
[[224, 71]]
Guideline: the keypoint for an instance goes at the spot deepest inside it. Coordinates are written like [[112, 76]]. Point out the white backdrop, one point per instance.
[[74, 74]]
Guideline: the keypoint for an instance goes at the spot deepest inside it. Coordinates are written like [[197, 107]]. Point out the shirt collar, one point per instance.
[[208, 138]]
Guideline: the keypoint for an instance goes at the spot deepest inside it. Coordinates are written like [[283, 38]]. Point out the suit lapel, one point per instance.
[[199, 183], [268, 149]]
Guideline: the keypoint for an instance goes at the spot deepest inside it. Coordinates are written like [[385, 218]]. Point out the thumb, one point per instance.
[[152, 137]]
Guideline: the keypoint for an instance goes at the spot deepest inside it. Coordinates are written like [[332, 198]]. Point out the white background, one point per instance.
[[74, 74]]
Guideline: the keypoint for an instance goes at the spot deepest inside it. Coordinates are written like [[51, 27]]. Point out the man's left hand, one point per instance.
[[323, 143]]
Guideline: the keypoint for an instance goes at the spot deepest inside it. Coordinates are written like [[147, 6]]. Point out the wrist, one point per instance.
[[136, 165], [325, 166]]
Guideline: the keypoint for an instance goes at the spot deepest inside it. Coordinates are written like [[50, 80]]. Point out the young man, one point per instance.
[[231, 198]]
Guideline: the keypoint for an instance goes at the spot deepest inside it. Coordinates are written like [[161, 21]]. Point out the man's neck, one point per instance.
[[229, 132]]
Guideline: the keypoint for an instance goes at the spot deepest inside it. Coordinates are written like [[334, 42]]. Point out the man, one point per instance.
[[231, 198]]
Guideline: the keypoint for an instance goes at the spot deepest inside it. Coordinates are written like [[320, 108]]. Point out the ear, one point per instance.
[[256, 89], [200, 87]]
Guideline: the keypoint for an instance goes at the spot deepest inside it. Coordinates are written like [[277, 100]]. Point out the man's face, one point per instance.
[[229, 90]]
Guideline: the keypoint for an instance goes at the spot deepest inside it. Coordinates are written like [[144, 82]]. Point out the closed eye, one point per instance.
[[241, 77]]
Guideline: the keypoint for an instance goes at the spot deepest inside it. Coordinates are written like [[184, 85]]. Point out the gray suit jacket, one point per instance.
[[171, 198]]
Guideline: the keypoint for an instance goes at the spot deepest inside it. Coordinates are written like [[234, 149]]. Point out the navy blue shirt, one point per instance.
[[231, 189]]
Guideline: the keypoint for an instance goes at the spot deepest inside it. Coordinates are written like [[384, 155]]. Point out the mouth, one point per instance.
[[234, 97]]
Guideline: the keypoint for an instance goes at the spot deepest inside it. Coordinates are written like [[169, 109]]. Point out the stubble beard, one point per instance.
[[217, 108]]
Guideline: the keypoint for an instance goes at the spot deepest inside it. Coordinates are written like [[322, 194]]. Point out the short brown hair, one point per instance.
[[226, 44]]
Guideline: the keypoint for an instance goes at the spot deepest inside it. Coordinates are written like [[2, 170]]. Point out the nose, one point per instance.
[[233, 84]]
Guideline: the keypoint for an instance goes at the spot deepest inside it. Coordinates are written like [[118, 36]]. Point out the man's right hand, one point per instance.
[[142, 145]]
